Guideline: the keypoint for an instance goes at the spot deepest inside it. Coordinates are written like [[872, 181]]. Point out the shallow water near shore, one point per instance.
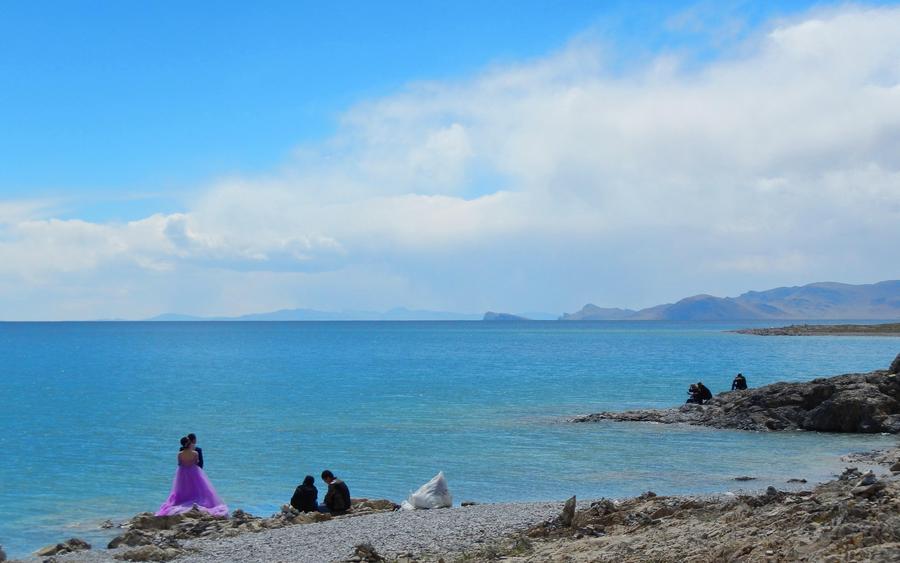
[[91, 412]]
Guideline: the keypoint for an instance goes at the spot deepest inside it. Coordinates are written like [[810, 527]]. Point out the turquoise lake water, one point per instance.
[[91, 413]]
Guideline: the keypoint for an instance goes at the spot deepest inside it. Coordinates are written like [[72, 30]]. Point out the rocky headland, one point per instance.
[[856, 402], [884, 329]]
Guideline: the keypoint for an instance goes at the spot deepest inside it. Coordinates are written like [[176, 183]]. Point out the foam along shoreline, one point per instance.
[[884, 329], [854, 403]]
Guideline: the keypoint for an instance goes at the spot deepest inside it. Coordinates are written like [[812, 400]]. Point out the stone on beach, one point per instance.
[[69, 546], [568, 513], [365, 553]]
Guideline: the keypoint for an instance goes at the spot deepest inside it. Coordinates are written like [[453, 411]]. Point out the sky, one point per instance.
[[225, 158]]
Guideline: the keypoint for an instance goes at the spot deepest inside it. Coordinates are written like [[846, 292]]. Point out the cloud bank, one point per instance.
[[537, 186]]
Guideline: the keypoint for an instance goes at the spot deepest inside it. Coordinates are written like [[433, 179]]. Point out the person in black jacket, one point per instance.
[[193, 438], [703, 392], [337, 499], [739, 383], [306, 496]]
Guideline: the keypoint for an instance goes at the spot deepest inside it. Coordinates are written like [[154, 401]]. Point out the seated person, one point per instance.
[[337, 499], [306, 496], [704, 393], [694, 394], [739, 383]]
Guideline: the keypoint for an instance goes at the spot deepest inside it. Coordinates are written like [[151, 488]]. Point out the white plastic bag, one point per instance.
[[433, 494]]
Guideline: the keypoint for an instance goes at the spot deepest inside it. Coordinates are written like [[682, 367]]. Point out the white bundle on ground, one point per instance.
[[433, 494]]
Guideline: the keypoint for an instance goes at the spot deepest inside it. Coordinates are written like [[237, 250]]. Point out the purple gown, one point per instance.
[[192, 488]]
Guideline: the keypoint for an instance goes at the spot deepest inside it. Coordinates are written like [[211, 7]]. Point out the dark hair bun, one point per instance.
[[185, 442]]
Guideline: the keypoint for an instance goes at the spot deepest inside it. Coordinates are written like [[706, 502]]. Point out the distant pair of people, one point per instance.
[[336, 501], [191, 487], [739, 383], [699, 393]]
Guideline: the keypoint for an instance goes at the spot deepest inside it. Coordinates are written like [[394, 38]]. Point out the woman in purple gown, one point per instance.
[[191, 487]]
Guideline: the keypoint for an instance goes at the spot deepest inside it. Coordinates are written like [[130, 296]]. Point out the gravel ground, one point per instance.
[[424, 532], [438, 532]]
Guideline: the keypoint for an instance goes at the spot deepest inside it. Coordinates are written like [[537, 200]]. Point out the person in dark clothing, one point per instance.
[[337, 499], [704, 393], [739, 383], [306, 496], [193, 438], [694, 393], [699, 393]]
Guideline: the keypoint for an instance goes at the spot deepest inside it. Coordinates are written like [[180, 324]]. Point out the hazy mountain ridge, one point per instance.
[[821, 300], [397, 314]]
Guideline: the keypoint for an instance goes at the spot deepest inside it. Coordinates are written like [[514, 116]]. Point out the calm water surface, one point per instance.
[[91, 413]]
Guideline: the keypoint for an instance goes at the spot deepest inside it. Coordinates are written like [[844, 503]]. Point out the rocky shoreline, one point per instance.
[[855, 517], [861, 402], [887, 329]]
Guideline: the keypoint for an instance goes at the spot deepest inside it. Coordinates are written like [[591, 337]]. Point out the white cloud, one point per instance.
[[781, 163]]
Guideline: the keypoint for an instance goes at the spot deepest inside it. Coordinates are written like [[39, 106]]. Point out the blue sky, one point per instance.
[[226, 158], [119, 107]]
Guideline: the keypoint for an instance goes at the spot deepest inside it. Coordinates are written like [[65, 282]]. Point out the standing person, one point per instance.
[[739, 383], [193, 438], [306, 496], [191, 488], [337, 499]]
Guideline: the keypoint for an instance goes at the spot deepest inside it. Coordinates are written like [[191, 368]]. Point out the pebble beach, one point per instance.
[[430, 534]]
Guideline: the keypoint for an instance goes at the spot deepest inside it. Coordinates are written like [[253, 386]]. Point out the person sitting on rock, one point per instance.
[[694, 395], [703, 392], [739, 383], [337, 499], [306, 496]]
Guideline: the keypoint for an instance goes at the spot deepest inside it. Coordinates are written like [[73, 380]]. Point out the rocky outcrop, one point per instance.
[[68, 546], [862, 403], [895, 365], [854, 518], [165, 533], [889, 329]]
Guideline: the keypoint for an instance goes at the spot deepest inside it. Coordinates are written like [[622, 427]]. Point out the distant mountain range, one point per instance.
[[398, 314], [824, 300]]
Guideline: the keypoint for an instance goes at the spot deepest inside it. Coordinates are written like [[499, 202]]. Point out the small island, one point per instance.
[[885, 329]]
